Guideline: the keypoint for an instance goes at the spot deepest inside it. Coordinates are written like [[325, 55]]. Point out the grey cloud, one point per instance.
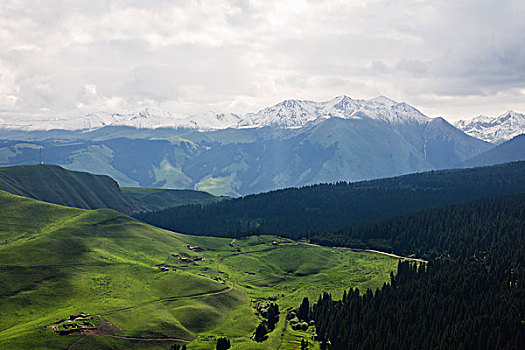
[[194, 56]]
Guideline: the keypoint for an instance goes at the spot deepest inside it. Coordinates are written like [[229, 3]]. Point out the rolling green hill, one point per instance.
[[53, 184], [160, 198], [57, 261]]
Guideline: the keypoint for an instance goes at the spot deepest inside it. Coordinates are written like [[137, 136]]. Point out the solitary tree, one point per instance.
[[223, 344], [260, 332], [304, 310], [304, 344]]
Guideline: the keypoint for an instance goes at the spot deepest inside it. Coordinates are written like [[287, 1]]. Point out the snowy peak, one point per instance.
[[379, 108], [343, 104], [494, 129], [406, 113], [211, 121], [287, 114], [290, 114], [299, 113], [383, 101]]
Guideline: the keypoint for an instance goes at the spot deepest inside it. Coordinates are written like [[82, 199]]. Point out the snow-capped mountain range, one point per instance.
[[293, 143], [287, 114], [494, 129]]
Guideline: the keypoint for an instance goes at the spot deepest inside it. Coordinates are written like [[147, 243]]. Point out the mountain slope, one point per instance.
[[293, 143], [237, 162], [495, 130], [510, 151], [156, 198], [298, 212], [54, 184]]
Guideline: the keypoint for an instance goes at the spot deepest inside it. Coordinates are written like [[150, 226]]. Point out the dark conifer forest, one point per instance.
[[470, 295], [447, 305], [464, 230], [299, 212]]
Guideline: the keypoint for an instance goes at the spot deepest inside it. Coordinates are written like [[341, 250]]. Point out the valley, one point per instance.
[[149, 283], [290, 144], [262, 175]]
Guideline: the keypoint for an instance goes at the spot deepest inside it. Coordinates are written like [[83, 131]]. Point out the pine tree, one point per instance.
[[260, 333], [304, 344], [222, 344], [304, 310]]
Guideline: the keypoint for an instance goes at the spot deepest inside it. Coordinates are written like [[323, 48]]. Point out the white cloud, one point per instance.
[[8, 88], [456, 59], [90, 90]]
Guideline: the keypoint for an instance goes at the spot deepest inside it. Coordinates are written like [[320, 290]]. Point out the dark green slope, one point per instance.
[[157, 199], [470, 295], [459, 231], [53, 184], [300, 211], [510, 151]]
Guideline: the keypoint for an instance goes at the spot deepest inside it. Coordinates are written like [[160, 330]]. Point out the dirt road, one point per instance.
[[370, 251]]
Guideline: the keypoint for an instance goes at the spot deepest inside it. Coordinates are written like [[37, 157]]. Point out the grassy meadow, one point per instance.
[[57, 261]]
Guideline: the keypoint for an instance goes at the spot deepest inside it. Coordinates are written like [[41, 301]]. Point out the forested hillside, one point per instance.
[[327, 207], [462, 230], [471, 296], [448, 305]]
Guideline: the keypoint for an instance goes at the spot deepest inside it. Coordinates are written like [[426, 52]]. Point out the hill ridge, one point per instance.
[[54, 184]]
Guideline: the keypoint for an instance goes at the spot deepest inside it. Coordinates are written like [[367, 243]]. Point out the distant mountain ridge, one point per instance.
[[286, 114], [510, 151], [241, 161], [293, 143], [494, 129]]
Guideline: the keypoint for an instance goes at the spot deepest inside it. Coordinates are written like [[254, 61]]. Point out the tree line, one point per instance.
[[444, 305], [470, 295], [462, 230], [302, 212]]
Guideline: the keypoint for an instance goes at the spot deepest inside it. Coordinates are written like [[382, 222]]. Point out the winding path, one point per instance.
[[367, 250], [166, 299], [173, 298]]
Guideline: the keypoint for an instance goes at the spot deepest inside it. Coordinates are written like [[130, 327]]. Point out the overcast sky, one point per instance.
[[455, 59]]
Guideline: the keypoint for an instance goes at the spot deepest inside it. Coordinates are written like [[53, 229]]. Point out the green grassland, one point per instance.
[[57, 261]]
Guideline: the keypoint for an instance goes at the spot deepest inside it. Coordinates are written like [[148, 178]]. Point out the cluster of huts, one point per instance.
[[196, 249], [75, 323]]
